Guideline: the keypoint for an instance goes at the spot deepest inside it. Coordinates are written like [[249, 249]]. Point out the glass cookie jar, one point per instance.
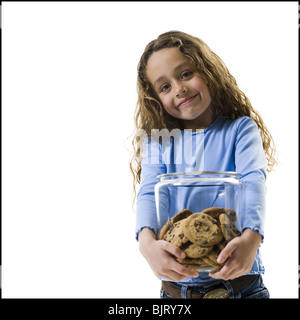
[[183, 202]]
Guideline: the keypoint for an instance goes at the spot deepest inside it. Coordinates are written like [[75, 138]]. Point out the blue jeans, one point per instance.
[[254, 290]]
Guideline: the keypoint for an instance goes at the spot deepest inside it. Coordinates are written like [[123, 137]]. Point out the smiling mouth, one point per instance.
[[187, 101]]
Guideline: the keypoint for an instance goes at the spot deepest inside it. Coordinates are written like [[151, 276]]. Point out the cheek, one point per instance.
[[199, 83], [203, 89], [167, 103]]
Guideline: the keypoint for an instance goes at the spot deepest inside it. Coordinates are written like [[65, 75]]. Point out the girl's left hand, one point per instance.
[[240, 253]]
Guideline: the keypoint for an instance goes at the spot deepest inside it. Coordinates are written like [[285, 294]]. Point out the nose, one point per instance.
[[180, 89]]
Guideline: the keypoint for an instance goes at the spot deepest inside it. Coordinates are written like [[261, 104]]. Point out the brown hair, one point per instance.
[[228, 100]]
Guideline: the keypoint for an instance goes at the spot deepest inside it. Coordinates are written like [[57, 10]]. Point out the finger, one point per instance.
[[227, 251], [222, 274], [179, 276], [184, 271], [181, 270], [229, 271], [175, 251], [233, 273], [175, 273], [172, 275]]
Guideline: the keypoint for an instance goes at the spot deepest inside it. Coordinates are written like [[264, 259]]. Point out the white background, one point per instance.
[[69, 94]]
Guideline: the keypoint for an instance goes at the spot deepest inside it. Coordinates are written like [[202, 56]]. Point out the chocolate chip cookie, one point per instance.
[[193, 250], [228, 227], [195, 264], [179, 216], [176, 234], [201, 235], [214, 212], [202, 229]]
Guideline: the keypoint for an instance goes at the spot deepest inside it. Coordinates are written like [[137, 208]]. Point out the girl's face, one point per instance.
[[183, 93]]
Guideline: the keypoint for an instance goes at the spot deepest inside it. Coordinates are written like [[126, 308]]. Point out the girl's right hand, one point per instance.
[[161, 254]]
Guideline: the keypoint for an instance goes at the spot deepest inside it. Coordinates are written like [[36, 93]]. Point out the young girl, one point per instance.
[[182, 84]]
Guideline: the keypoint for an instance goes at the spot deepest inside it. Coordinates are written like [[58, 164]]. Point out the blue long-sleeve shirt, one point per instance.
[[225, 145]]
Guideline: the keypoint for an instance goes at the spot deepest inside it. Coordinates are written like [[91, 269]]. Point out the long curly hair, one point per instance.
[[228, 100]]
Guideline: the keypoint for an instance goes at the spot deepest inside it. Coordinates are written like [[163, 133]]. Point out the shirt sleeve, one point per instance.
[[251, 163], [145, 207]]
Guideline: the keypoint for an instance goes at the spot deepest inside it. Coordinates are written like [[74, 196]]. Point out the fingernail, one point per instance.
[[220, 260], [182, 255]]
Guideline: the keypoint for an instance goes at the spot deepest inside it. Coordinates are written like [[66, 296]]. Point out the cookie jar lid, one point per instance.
[[226, 176]]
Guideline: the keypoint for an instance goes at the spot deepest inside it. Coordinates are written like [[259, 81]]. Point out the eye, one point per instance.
[[186, 74], [165, 87]]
